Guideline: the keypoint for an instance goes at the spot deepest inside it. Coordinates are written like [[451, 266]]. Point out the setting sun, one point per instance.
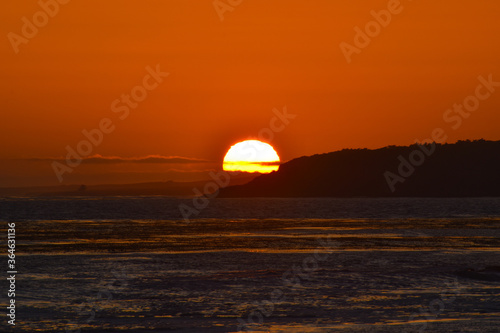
[[251, 156]]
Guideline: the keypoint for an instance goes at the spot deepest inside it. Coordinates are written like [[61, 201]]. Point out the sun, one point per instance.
[[251, 156]]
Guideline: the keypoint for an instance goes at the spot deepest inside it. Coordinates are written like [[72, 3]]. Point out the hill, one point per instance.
[[169, 188], [463, 169]]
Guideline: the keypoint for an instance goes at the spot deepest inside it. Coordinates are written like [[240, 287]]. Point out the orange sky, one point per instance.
[[226, 77]]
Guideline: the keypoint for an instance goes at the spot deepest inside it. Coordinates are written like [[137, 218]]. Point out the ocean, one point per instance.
[[160, 264]]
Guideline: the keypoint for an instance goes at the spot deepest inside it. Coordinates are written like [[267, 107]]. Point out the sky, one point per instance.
[[165, 87]]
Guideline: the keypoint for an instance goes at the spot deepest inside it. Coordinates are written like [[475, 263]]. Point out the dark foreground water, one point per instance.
[[135, 264]]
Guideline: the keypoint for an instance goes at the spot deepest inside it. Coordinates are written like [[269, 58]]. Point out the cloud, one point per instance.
[[254, 163], [156, 159]]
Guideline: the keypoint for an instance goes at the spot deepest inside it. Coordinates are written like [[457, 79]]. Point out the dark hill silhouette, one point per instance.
[[466, 168]]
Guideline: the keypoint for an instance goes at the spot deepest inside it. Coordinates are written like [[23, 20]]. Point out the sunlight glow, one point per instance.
[[251, 156]]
